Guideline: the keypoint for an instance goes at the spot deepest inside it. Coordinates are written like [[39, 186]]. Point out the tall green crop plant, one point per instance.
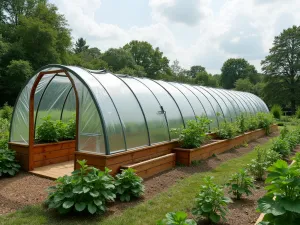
[[276, 110]]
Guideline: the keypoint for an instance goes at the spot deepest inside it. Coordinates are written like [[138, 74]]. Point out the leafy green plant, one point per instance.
[[8, 164], [276, 110], [271, 157], [240, 183], [46, 132], [4, 133], [252, 122], [6, 112], [176, 218], [71, 128], [258, 166], [297, 114], [194, 134], [265, 120], [297, 160], [227, 130], [284, 132], [282, 146], [61, 130], [86, 190], [128, 184], [281, 203], [242, 123], [211, 202]]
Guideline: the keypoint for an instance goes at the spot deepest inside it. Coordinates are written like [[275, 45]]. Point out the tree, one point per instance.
[[17, 72], [138, 71], [118, 58], [80, 46], [206, 79], [176, 68], [244, 85], [283, 63], [234, 69], [196, 69], [152, 60]]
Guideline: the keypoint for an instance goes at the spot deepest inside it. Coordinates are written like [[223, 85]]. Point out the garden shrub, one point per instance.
[[6, 112], [4, 133], [297, 114], [282, 146], [284, 132], [252, 122], [227, 130], [86, 190], [276, 110], [128, 185], [242, 123], [211, 202], [61, 130], [176, 218], [281, 203], [258, 166], [265, 120], [195, 133], [240, 183], [71, 128], [46, 132], [8, 164]]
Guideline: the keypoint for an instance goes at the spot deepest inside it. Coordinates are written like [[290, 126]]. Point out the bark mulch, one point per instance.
[[27, 189]]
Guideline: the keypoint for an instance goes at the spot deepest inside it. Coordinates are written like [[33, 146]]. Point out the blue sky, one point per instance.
[[195, 32]]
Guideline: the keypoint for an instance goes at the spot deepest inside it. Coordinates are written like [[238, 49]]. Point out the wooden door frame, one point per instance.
[[31, 112]]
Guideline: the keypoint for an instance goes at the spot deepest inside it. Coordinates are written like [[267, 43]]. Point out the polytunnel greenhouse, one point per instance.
[[116, 113]]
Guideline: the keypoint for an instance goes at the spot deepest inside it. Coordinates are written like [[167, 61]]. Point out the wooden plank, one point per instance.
[[50, 161], [92, 159], [151, 163], [155, 170], [51, 155]]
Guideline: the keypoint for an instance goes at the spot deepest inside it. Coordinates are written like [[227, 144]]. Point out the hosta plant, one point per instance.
[[211, 202], [86, 190], [128, 185], [194, 134], [281, 204], [176, 218], [240, 183], [8, 164]]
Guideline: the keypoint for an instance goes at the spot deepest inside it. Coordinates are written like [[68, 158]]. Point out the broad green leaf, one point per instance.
[[80, 206], [68, 204], [92, 208]]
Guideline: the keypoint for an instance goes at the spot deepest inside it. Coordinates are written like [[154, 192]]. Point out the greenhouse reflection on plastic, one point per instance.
[[120, 112]]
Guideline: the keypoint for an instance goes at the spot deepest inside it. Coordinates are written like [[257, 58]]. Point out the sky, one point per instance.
[[194, 32]]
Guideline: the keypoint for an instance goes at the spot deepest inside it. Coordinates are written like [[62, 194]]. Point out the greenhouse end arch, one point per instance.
[[118, 113]]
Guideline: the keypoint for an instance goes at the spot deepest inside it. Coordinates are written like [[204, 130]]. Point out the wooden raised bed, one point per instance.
[[186, 156], [43, 154]]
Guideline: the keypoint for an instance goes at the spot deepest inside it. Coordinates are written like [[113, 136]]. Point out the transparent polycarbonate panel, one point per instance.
[[20, 121], [69, 108], [228, 112], [232, 102], [210, 112], [106, 107], [246, 100], [129, 110], [53, 99], [197, 106], [169, 106], [91, 136], [156, 120], [242, 103], [249, 101], [41, 88], [182, 102], [213, 102], [259, 102]]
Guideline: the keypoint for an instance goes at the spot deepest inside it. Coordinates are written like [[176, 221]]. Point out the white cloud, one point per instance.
[[196, 32]]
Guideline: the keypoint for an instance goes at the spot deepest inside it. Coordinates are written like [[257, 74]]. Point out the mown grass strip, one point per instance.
[[178, 197]]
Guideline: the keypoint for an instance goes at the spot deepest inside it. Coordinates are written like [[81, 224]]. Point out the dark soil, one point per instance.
[[27, 189]]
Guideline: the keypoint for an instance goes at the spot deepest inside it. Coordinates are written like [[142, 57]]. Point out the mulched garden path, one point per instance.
[[27, 189]]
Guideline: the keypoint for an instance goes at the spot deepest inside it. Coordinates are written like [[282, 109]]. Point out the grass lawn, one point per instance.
[[178, 197]]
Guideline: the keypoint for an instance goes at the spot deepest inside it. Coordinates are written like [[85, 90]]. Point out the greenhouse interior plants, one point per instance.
[[116, 115]]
